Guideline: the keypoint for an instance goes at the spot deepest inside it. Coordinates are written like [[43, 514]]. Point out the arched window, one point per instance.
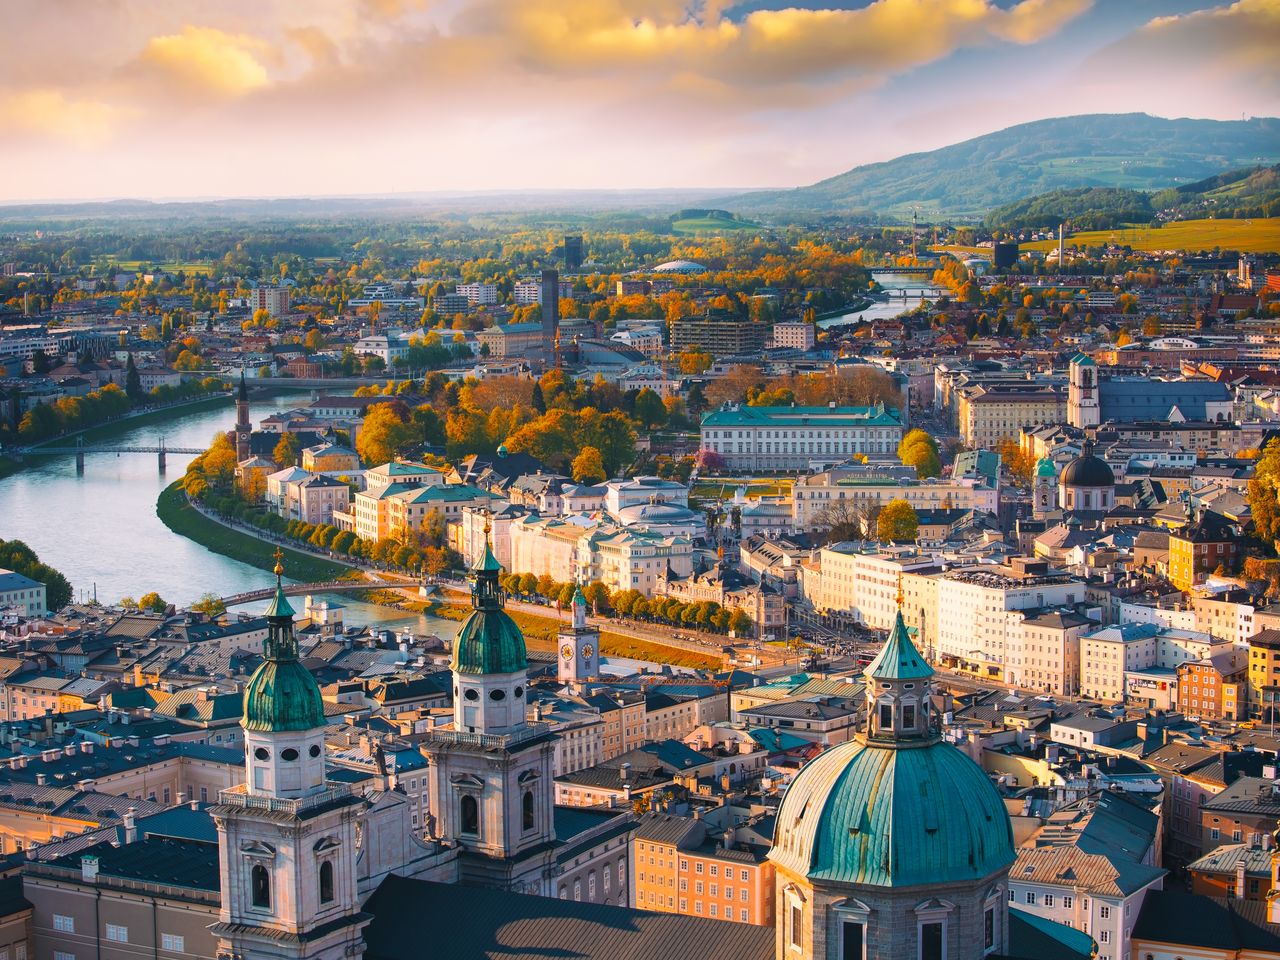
[[470, 815], [526, 810], [260, 884], [326, 882]]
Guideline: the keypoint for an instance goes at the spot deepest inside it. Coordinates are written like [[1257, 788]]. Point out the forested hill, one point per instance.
[[1130, 151], [1085, 208]]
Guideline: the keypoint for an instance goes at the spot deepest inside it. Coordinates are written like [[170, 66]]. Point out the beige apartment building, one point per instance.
[[844, 492], [1044, 650], [864, 583], [988, 414]]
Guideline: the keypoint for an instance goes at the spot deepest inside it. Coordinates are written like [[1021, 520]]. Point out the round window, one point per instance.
[[472, 695], [289, 754], [261, 753], [497, 695], [519, 692], [315, 750]]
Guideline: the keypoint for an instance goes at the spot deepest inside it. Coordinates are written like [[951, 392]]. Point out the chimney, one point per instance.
[[131, 825], [730, 834], [1240, 879], [724, 782], [86, 746], [625, 772], [182, 798], [89, 868], [41, 779]]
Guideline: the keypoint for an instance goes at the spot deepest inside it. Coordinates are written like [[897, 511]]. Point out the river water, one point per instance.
[[904, 294], [101, 530]]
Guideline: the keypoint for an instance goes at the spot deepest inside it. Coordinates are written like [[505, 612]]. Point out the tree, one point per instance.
[[382, 435], [287, 450], [15, 555], [588, 467], [132, 381], [153, 602], [528, 584], [918, 449], [739, 623], [210, 604], [597, 596], [897, 522], [650, 411], [1151, 327], [1264, 494]]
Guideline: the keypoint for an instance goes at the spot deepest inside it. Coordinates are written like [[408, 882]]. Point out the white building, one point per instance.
[[863, 583], [794, 438], [479, 294], [25, 594], [274, 300], [794, 335], [972, 603], [1109, 654], [527, 292]]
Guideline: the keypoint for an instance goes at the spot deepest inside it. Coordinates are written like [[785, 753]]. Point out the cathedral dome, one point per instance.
[[892, 816], [1088, 470]]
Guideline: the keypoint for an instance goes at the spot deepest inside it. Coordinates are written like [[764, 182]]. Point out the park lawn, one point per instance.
[[1257, 235], [183, 519], [132, 266], [695, 225], [756, 487]]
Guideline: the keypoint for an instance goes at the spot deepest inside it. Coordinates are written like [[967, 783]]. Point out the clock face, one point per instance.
[[567, 652], [586, 652]]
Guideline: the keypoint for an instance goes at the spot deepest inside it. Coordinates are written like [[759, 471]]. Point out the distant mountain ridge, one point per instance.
[[1131, 151]]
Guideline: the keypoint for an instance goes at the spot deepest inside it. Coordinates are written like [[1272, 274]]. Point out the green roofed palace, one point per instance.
[[796, 438]]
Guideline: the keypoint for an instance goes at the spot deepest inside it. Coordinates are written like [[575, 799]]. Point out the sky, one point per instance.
[[158, 99]]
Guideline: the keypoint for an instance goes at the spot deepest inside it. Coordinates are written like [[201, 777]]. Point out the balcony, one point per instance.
[[240, 797], [501, 741]]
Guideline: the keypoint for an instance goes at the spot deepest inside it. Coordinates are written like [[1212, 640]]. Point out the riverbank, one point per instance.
[[185, 520]]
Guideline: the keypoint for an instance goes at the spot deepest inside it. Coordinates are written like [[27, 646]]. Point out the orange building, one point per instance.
[[688, 865], [1199, 548], [1236, 870], [1215, 688]]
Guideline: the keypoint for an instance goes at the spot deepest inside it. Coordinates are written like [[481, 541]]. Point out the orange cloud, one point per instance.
[[51, 113], [205, 60]]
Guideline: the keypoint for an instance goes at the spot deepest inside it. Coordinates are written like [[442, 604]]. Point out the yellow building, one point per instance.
[[1264, 673], [1200, 548], [989, 414], [330, 458]]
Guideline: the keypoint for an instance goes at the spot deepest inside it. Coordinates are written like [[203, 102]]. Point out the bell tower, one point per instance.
[[286, 840], [1044, 488], [579, 646], [243, 427], [491, 777], [1083, 407]]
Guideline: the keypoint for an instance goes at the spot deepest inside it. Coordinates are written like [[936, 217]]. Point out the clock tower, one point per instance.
[[579, 646]]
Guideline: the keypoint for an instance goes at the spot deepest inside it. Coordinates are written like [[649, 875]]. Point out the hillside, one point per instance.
[[1254, 192], [1130, 151], [1085, 208]]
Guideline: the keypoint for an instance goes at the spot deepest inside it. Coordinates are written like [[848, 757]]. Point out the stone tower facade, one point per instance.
[[1044, 489], [491, 779], [579, 647], [287, 841], [244, 428], [1083, 406]]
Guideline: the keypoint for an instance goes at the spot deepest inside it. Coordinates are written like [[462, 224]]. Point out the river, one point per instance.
[[101, 530], [896, 286]]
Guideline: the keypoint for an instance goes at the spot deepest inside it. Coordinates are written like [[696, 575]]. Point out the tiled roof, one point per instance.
[[1069, 866]]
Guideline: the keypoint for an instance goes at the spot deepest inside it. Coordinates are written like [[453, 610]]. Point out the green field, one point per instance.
[[185, 520], [1247, 236], [697, 225], [132, 266]]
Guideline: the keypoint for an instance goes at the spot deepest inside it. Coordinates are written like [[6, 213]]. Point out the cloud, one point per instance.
[[206, 61], [1201, 61], [50, 113]]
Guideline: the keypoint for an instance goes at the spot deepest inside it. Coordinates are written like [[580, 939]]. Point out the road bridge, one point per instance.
[[81, 449]]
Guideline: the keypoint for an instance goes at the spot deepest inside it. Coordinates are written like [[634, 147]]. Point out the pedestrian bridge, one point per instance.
[[302, 589]]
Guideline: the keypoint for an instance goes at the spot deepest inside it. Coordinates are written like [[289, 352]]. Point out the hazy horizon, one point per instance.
[[174, 100]]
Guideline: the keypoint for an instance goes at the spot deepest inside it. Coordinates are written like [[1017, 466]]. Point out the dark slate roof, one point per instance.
[[163, 860], [1033, 937], [1188, 920], [518, 927], [1128, 400]]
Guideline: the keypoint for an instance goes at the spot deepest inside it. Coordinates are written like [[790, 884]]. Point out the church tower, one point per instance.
[[1044, 488], [287, 841], [492, 790], [1083, 407], [243, 427], [579, 646]]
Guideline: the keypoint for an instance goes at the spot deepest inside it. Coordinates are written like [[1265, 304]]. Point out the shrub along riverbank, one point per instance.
[[185, 520]]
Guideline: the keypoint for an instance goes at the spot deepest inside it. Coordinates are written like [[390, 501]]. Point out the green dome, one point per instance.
[[489, 641], [282, 695], [892, 816], [1046, 468]]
